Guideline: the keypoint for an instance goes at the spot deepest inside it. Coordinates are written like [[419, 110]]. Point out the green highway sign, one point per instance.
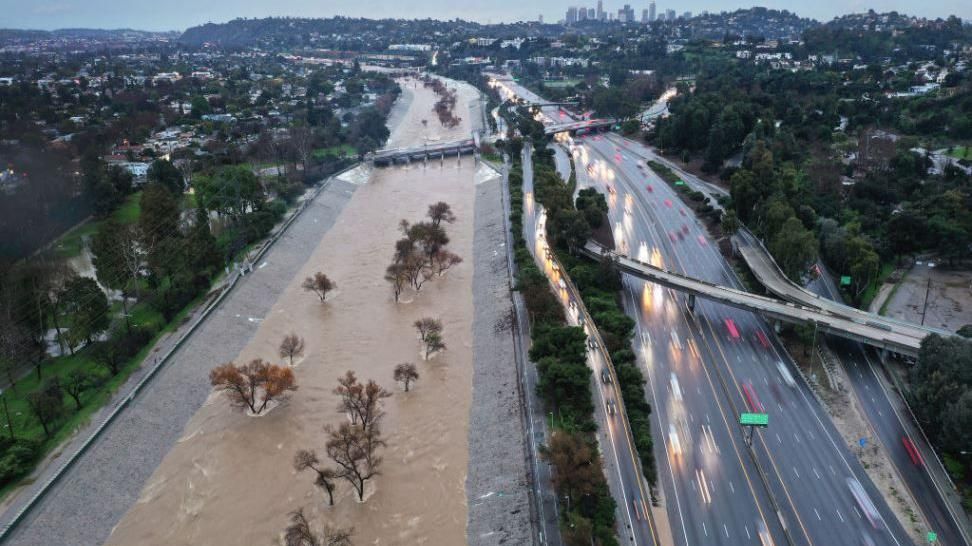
[[845, 281], [754, 419], [932, 537], [679, 183]]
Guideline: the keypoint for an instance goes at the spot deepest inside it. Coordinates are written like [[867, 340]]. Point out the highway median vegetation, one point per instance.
[[599, 284], [565, 385]]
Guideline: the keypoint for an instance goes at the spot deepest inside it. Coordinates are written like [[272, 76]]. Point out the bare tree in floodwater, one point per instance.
[[291, 346], [307, 458], [426, 326], [433, 343], [253, 385], [398, 277], [300, 533], [354, 450], [362, 402], [319, 284], [406, 373], [441, 212]]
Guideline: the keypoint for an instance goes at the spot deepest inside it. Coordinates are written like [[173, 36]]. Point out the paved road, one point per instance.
[[893, 426], [545, 498], [805, 462], [884, 410], [621, 465]]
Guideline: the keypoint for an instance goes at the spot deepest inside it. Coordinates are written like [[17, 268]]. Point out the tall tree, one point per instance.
[[253, 385], [319, 284], [354, 450], [165, 174], [291, 346], [307, 459], [406, 373], [159, 217], [86, 308], [300, 533], [441, 212], [47, 404]]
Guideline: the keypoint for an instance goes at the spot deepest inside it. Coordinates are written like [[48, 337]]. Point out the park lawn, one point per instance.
[[27, 426], [871, 292], [961, 152], [71, 243], [343, 150]]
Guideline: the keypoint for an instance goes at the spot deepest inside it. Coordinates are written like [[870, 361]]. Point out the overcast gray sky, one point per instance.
[[180, 14]]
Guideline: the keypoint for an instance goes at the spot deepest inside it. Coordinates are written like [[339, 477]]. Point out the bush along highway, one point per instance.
[[599, 284], [559, 351]]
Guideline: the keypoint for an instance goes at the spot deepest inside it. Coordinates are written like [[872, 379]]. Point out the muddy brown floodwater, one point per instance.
[[230, 480]]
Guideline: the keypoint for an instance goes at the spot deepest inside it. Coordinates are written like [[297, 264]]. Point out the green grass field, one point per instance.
[[961, 152], [71, 243], [344, 150]]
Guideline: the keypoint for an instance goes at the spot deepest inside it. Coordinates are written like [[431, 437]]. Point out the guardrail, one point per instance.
[[163, 360]]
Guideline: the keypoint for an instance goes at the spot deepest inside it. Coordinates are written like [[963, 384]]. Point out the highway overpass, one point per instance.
[[574, 126], [769, 274], [904, 342]]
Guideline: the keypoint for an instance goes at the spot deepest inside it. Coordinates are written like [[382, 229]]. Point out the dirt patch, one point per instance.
[[933, 296]]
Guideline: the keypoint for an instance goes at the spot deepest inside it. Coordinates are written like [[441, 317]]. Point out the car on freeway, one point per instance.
[[676, 388], [912, 449], [651, 189], [785, 374], [605, 377], [731, 327], [561, 284], [865, 503], [611, 407], [764, 535], [763, 340], [676, 341], [673, 441], [751, 400]]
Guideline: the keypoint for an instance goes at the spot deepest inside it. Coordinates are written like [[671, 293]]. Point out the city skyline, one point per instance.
[[181, 14], [625, 14]]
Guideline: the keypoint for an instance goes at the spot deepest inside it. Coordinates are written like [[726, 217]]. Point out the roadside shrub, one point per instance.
[[16, 458]]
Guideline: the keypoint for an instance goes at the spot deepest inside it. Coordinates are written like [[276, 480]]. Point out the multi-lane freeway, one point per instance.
[[717, 362], [706, 366], [893, 427]]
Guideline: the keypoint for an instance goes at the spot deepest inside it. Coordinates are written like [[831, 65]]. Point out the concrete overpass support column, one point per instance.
[[776, 326], [691, 302], [459, 156]]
